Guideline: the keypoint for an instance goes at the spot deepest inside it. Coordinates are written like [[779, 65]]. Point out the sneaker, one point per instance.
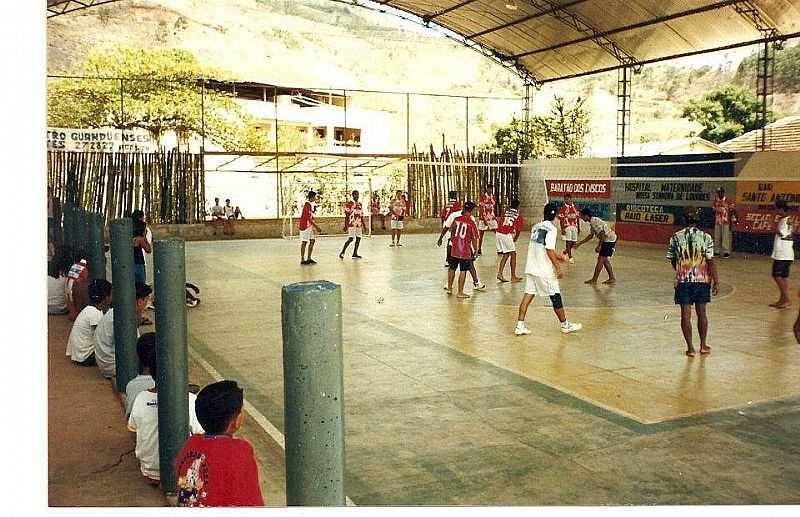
[[391, 245], [356, 256], [341, 256], [304, 262], [479, 286], [522, 331], [571, 260], [311, 261], [445, 287], [399, 244], [568, 327]]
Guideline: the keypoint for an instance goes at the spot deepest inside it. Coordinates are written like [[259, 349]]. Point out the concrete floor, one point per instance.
[[444, 405]]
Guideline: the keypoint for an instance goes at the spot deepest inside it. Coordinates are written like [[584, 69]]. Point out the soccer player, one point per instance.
[[352, 225], [782, 254], [722, 223], [543, 271], [453, 205], [691, 252], [375, 210], [477, 285], [464, 236], [487, 220], [511, 224], [398, 209], [307, 227], [604, 249], [569, 217]]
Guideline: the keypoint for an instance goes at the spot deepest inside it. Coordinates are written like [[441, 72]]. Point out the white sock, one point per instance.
[[565, 323], [520, 324]]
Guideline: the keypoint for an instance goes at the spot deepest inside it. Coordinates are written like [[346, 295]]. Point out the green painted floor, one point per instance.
[[445, 406]]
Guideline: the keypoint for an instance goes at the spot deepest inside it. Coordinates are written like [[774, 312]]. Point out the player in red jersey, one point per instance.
[[511, 224], [375, 210], [307, 227], [453, 205], [464, 236], [487, 219], [353, 217], [569, 217], [398, 208]]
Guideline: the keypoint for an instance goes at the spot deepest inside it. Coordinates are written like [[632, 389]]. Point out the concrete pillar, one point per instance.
[[169, 272], [124, 298], [313, 396], [95, 252]]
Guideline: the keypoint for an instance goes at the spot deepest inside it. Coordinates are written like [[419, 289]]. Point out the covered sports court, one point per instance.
[[444, 405]]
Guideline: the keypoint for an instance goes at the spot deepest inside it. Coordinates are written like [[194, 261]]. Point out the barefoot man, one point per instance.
[[464, 236], [511, 223], [691, 252], [542, 273], [604, 249], [353, 214], [782, 254]]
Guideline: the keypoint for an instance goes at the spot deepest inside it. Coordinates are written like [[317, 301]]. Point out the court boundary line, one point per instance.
[[257, 416]]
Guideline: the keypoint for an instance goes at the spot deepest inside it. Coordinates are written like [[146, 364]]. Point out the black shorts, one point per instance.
[[463, 264], [607, 249], [780, 268], [690, 293]]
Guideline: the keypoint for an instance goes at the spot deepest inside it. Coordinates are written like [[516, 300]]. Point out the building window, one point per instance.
[[321, 132], [349, 137]]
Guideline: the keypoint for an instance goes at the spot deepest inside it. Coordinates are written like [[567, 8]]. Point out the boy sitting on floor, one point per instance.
[[81, 342], [216, 469]]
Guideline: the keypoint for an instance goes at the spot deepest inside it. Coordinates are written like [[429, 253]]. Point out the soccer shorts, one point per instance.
[[355, 231], [307, 235], [607, 249], [570, 233], [396, 225], [540, 286], [459, 263], [487, 225], [780, 268], [505, 243], [690, 293]]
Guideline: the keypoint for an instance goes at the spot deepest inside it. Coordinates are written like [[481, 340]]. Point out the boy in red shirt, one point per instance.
[[375, 210], [216, 469], [353, 214], [464, 236], [398, 208], [511, 224], [569, 217], [487, 220], [307, 227]]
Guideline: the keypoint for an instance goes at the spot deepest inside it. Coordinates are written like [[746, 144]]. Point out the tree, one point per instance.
[[560, 134], [725, 113], [786, 74], [160, 91]]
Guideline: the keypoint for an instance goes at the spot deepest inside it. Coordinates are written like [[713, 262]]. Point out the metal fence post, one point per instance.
[[95, 253], [313, 397], [169, 272], [124, 298]]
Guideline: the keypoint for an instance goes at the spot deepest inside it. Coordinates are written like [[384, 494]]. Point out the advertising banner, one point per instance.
[[107, 140], [755, 193], [677, 193], [649, 214], [751, 220], [579, 189]]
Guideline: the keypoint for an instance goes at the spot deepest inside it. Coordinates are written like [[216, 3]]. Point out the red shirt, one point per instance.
[[398, 207], [568, 215], [462, 234], [452, 206], [217, 470], [487, 207], [352, 214], [376, 206], [307, 216], [722, 210], [511, 222]]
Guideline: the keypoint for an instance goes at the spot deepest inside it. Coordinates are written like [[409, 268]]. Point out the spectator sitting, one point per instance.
[[216, 469], [104, 335], [81, 343], [57, 284], [145, 348], [143, 421], [77, 283], [227, 227], [237, 213], [217, 214]]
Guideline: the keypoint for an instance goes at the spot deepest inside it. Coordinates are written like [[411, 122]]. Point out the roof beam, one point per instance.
[[750, 12], [646, 23], [448, 10], [520, 20], [67, 6], [573, 21]]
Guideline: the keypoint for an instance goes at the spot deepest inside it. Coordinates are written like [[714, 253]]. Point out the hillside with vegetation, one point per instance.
[[325, 44]]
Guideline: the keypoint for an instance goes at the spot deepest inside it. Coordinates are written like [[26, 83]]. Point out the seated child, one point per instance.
[[144, 422], [146, 350], [81, 342], [216, 469], [77, 281], [57, 270], [104, 335]]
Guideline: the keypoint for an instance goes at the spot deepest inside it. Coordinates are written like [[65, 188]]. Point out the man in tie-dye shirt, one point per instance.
[[691, 252]]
